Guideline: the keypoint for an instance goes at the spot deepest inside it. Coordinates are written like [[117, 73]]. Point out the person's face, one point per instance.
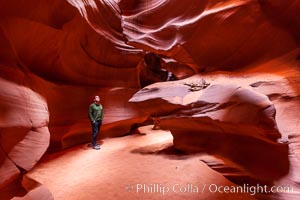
[[97, 99]]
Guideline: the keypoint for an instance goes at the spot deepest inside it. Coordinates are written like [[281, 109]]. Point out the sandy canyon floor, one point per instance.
[[139, 166]]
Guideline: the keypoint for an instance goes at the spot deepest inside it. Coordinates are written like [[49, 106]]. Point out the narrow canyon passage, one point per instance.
[[223, 77]]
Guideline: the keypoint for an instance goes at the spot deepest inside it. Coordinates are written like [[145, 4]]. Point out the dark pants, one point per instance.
[[95, 130]]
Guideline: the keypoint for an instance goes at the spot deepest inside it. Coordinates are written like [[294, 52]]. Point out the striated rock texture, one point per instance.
[[55, 56], [24, 133], [248, 120], [208, 34], [50, 49], [50, 68], [222, 119]]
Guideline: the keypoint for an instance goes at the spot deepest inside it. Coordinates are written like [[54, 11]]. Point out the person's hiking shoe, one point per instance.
[[96, 147]]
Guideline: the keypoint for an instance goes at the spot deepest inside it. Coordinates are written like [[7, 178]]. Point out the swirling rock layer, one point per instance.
[[55, 56], [226, 120]]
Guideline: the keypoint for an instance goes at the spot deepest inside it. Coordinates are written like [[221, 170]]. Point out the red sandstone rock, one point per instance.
[[209, 34], [205, 35], [35, 190], [8, 170], [25, 139], [278, 79], [219, 119], [24, 129], [68, 51]]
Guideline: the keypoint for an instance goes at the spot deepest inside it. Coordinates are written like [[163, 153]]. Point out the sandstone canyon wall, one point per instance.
[[54, 56]]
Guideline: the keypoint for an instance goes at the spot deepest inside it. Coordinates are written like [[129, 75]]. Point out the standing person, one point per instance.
[[96, 116]]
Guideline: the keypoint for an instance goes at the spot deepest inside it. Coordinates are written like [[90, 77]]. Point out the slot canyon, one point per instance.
[[201, 99]]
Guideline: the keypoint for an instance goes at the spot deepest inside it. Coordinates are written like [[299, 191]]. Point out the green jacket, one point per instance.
[[95, 112]]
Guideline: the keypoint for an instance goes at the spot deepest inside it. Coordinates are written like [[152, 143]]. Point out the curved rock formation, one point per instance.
[[207, 35], [51, 59], [226, 120], [60, 59], [61, 53], [24, 134], [258, 144]]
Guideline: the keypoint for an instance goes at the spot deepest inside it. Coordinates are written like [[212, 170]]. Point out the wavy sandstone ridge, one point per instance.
[[226, 120], [23, 129], [248, 120], [54, 56], [207, 34]]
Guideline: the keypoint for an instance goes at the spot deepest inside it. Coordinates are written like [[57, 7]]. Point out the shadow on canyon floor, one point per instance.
[[241, 176]]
